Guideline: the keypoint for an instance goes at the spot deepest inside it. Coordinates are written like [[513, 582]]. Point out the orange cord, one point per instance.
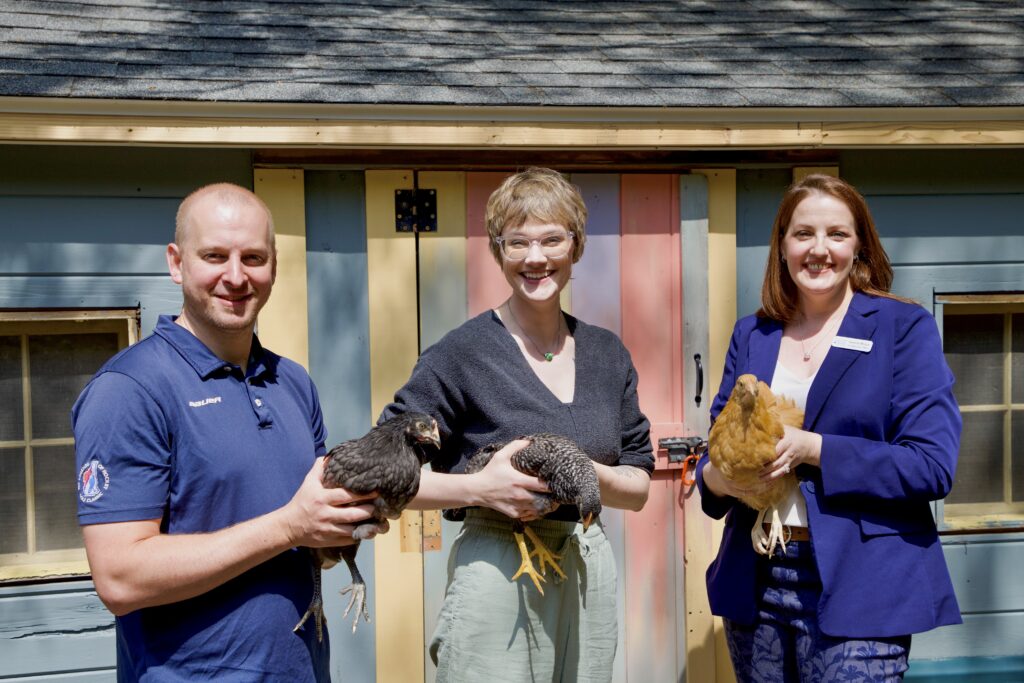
[[690, 475]]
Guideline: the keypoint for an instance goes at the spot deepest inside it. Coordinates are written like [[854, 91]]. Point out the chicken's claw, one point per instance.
[[527, 564], [357, 597], [544, 554], [315, 609], [765, 543]]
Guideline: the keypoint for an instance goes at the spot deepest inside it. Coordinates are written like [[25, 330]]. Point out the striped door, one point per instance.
[[629, 281]]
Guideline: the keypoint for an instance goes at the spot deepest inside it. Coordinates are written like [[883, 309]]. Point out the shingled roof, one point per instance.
[[644, 53]]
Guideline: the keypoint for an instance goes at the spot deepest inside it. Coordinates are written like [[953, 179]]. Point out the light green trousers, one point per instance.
[[494, 630]]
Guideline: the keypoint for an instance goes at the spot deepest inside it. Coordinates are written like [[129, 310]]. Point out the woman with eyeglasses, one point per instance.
[[526, 367]]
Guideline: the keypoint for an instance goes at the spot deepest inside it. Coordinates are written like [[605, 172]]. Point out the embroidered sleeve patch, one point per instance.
[[93, 481]]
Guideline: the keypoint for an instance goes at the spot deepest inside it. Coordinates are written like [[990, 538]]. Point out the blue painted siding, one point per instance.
[[973, 669], [757, 198], [339, 362], [57, 629], [951, 221], [87, 227]]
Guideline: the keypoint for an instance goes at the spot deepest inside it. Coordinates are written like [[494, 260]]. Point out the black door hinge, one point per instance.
[[416, 210]]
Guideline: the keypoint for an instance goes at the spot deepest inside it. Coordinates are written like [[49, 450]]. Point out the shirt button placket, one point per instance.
[[259, 406]]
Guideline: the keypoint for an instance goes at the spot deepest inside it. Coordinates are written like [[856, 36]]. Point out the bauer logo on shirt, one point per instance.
[[93, 481]]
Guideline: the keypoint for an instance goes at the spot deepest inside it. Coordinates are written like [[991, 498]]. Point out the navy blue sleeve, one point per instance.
[[918, 458], [712, 505], [122, 452], [317, 423]]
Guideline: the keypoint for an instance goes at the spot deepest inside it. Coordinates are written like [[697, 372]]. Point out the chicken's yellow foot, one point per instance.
[[527, 565], [544, 554]]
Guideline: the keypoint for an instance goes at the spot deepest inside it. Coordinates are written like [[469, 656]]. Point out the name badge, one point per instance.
[[862, 345]]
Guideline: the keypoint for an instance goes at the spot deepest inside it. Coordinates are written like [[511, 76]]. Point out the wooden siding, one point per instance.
[[87, 228], [283, 324], [339, 361], [652, 330], [598, 300], [391, 259], [259, 125], [486, 286], [443, 307], [951, 222]]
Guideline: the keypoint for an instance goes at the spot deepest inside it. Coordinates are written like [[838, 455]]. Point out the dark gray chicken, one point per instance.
[[387, 459], [572, 480]]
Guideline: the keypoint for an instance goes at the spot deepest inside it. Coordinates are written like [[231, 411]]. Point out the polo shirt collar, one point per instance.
[[199, 356]]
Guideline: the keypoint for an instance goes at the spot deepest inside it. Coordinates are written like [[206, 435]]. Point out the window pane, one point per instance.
[[56, 498], [974, 351], [1017, 450], [13, 527], [1018, 358], [979, 471], [11, 412], [59, 367]]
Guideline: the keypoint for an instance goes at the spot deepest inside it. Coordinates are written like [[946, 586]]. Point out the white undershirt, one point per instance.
[[785, 383]]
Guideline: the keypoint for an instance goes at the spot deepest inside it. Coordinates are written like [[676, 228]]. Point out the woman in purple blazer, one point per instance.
[[863, 568]]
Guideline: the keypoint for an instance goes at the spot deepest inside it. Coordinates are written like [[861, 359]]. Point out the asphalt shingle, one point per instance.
[[645, 53]]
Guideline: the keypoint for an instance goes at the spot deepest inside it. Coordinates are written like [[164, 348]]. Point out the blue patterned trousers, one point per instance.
[[784, 644]]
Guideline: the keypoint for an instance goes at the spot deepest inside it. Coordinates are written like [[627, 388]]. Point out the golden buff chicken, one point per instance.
[[743, 441]]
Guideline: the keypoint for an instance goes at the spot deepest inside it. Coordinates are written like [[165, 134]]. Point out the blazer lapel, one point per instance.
[[764, 349], [857, 324]]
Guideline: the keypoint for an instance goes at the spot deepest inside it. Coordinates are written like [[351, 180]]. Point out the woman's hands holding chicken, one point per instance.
[[796, 447]]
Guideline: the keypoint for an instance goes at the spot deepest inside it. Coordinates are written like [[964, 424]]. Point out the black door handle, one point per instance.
[[700, 378]]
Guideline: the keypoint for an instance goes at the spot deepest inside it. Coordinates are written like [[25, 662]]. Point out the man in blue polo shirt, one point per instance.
[[199, 471]]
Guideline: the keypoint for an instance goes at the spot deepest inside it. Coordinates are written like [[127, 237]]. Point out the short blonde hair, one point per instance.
[[539, 194]]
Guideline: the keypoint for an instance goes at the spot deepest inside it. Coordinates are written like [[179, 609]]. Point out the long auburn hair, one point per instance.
[[871, 272]]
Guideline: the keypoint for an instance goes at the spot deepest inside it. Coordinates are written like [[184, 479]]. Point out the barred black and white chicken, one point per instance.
[[387, 460], [572, 480]]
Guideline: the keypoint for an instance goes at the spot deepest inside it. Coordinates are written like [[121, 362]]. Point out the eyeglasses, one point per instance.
[[552, 245]]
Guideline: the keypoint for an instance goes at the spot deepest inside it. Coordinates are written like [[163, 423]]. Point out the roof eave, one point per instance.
[[467, 113]]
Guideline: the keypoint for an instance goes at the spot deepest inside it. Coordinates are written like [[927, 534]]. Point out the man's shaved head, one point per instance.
[[223, 194]]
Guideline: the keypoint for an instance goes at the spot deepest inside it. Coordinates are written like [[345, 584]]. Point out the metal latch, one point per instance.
[[416, 210], [679, 447], [687, 450]]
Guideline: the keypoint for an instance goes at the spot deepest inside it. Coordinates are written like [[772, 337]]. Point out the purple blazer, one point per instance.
[[890, 432]]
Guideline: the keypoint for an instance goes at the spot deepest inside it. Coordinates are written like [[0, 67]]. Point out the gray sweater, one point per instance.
[[481, 390]]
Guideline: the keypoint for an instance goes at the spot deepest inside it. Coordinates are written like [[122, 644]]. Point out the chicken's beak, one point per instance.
[[587, 520], [434, 437]]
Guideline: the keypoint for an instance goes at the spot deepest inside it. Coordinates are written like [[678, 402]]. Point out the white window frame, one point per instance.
[[985, 517], [125, 323]]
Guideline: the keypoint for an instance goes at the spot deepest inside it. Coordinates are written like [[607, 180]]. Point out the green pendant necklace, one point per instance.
[[548, 355]]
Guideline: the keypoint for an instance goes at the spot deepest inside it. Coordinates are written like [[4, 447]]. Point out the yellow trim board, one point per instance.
[[391, 267], [473, 134], [284, 321], [705, 636]]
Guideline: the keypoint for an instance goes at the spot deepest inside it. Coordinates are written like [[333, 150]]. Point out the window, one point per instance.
[[983, 338], [46, 359]]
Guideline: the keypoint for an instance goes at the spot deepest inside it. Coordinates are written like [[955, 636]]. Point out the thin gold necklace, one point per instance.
[[803, 347], [550, 355]]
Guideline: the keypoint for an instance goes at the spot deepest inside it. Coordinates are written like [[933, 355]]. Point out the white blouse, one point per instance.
[[784, 383]]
